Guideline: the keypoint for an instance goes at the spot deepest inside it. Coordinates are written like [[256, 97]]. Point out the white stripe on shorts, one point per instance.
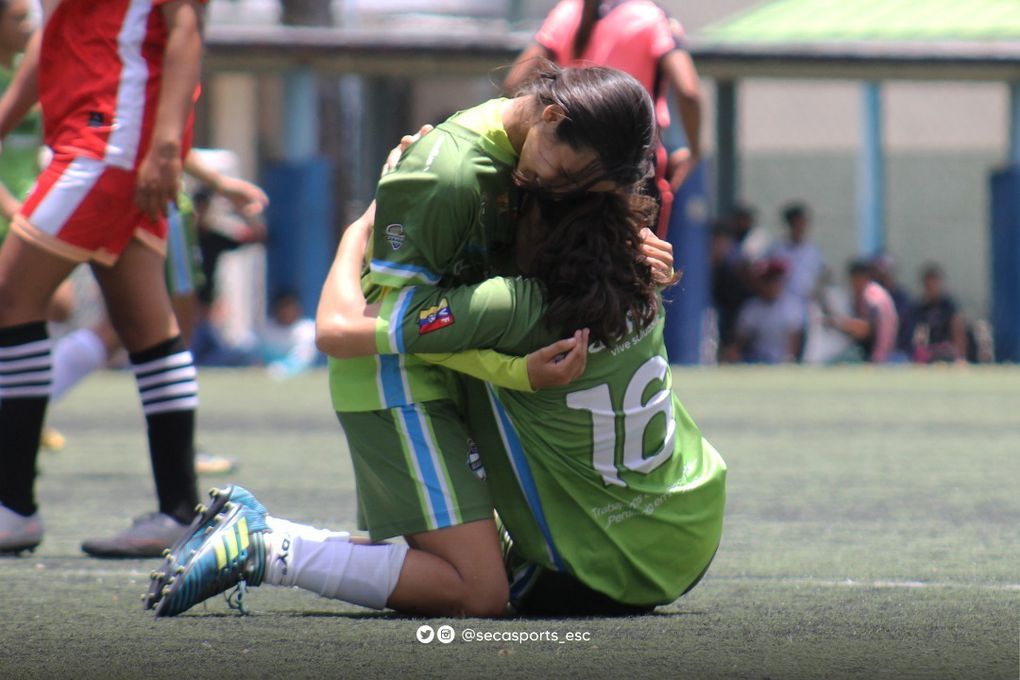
[[66, 195]]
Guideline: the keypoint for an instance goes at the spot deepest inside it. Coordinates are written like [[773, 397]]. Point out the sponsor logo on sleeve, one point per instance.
[[395, 235], [434, 318]]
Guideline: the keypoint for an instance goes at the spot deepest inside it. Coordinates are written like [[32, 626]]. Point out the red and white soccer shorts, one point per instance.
[[84, 209]]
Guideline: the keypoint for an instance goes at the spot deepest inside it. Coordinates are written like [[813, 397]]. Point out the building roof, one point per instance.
[[869, 39], [463, 48], [886, 20]]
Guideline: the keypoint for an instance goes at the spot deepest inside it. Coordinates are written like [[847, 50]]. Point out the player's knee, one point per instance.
[[487, 601]]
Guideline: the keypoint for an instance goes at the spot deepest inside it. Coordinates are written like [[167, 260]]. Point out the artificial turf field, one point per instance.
[[873, 530]]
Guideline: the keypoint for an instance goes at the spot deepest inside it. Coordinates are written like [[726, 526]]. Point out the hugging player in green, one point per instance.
[[613, 499], [447, 215]]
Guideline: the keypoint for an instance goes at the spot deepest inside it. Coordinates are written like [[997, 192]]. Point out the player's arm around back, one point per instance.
[[160, 170]]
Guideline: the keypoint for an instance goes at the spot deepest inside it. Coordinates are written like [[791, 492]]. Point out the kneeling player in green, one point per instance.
[[612, 497], [450, 215]]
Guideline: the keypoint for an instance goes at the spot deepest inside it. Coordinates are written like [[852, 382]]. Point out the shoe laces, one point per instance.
[[235, 598]]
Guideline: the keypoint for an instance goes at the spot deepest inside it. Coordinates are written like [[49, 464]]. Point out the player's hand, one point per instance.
[[679, 166], [659, 255], [560, 363], [248, 199], [158, 179], [9, 206], [406, 141]]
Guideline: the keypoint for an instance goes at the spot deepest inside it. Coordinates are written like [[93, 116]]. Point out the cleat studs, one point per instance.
[[165, 591], [200, 508], [179, 570], [156, 575], [166, 552]]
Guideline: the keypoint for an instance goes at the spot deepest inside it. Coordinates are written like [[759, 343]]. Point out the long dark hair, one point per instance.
[[589, 263], [607, 111]]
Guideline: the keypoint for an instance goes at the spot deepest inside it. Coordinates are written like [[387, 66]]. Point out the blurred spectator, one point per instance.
[[221, 229], [287, 341], [874, 322], [884, 272], [803, 258], [770, 325], [740, 222], [729, 285], [939, 332]]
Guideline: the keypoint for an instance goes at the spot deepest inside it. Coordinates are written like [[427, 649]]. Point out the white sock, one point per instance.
[[328, 564], [74, 357]]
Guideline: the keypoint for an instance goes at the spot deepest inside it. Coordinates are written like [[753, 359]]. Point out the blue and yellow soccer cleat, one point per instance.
[[227, 535]]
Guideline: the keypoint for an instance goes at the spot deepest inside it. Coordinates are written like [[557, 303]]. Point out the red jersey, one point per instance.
[[99, 77], [631, 37]]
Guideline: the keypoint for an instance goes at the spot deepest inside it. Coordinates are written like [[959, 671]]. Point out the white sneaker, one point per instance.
[[17, 532]]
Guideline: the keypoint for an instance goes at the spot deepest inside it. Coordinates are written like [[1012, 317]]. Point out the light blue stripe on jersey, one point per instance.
[[428, 463], [178, 259], [523, 472], [396, 329], [391, 378], [404, 271]]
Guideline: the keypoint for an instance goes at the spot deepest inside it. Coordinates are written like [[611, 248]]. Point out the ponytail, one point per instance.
[[589, 17]]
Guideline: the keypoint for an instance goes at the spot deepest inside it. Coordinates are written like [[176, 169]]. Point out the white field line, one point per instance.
[[852, 583]]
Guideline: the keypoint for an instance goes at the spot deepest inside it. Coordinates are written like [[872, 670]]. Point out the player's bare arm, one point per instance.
[[681, 74], [247, 198], [23, 92], [160, 170], [344, 322], [525, 66]]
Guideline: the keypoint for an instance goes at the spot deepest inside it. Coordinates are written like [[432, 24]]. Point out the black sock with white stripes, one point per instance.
[[167, 384], [25, 383]]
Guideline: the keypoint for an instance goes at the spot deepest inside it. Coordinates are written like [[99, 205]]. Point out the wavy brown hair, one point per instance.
[[587, 258]]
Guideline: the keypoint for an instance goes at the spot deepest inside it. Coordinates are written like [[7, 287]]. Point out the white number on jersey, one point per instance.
[[636, 418]]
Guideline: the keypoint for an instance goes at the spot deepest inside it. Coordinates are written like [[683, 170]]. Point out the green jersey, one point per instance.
[[607, 478], [19, 163], [444, 215]]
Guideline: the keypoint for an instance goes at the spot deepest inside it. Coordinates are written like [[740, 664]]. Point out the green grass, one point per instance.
[[872, 531]]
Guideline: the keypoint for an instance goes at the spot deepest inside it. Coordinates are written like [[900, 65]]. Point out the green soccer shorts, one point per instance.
[[416, 469]]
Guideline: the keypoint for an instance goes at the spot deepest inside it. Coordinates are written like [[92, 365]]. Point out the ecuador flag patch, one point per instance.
[[434, 318]]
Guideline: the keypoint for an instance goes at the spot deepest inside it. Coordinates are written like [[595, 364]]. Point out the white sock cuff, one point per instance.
[[371, 574]]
